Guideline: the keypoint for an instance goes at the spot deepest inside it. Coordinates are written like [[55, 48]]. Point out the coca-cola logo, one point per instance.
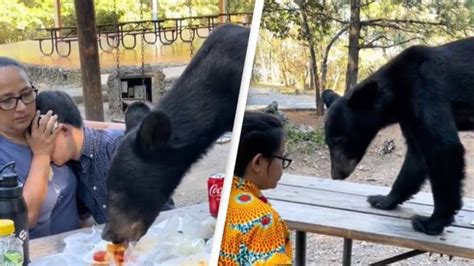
[[215, 191]]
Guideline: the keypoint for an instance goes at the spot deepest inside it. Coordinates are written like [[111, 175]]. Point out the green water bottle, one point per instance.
[[11, 248]]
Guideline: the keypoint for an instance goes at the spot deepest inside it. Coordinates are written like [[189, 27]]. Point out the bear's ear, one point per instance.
[[329, 96], [154, 132], [363, 97], [134, 114]]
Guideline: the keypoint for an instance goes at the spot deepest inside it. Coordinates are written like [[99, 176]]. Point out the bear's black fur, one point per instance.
[[162, 144], [429, 91]]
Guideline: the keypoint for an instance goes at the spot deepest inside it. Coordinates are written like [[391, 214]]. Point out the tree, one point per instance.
[[353, 49], [20, 19], [312, 23], [308, 36], [386, 24]]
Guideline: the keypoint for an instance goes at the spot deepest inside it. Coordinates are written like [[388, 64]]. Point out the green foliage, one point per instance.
[[241, 6], [20, 19], [304, 138], [389, 26]]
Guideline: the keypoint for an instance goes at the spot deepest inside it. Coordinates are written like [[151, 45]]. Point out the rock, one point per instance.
[[54, 75], [273, 109], [387, 148], [363, 168]]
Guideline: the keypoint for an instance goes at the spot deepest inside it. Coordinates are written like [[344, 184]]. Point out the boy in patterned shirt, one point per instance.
[[254, 232]]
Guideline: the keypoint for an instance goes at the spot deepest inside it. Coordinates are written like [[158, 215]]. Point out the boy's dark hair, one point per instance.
[[9, 62], [261, 133], [62, 105]]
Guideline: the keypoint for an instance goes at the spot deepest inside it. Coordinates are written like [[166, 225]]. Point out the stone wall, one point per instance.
[[114, 91], [54, 75]]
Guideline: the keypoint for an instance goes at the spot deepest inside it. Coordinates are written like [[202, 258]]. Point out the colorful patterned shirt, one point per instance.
[[254, 233]]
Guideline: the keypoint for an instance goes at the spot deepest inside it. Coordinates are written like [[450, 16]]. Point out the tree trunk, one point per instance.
[[89, 56], [285, 79], [57, 14], [314, 66], [324, 65], [222, 10], [354, 35]]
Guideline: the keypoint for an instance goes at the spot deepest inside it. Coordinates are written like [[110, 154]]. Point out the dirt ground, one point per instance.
[[193, 188], [374, 169]]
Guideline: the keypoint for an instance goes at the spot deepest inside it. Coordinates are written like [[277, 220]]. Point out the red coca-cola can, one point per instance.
[[214, 189]]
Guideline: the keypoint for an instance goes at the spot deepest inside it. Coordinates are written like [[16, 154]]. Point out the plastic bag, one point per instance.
[[182, 240], [80, 244], [175, 238]]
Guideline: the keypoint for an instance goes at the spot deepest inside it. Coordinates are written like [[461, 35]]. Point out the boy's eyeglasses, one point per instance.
[[285, 162], [12, 102]]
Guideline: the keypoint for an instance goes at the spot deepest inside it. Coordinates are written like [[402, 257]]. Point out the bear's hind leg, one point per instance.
[[446, 170], [412, 175], [443, 154]]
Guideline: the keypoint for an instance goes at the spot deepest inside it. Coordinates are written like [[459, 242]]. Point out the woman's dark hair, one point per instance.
[[8, 62], [62, 105], [261, 133]]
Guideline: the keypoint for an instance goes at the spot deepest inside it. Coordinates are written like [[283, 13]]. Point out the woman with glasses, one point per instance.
[[28, 139], [254, 233]]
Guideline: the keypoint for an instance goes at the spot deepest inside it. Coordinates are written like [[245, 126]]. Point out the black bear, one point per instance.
[[429, 91], [161, 144]]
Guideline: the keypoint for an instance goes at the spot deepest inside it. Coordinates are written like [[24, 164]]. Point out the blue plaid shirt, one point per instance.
[[91, 170]]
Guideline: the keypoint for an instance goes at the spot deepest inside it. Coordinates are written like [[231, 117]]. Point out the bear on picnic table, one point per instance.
[[429, 92], [161, 144]]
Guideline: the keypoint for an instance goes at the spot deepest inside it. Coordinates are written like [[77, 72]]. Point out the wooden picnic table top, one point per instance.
[[54, 244], [339, 208]]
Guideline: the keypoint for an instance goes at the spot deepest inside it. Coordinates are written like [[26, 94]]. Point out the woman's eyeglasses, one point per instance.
[[285, 162], [12, 102]]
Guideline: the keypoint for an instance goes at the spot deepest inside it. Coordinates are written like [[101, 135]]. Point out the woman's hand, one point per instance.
[[43, 134], [41, 141]]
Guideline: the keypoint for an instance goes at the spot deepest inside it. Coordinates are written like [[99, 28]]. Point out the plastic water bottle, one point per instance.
[[11, 248], [13, 205]]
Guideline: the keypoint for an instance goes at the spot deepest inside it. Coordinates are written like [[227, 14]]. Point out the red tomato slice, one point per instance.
[[100, 256]]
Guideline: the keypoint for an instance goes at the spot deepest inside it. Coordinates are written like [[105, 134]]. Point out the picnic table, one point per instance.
[[164, 30], [339, 208], [54, 244]]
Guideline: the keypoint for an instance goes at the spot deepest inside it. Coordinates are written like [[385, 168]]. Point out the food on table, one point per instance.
[[100, 256], [114, 252]]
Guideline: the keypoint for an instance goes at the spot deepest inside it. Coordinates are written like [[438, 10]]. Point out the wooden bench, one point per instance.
[[339, 208]]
